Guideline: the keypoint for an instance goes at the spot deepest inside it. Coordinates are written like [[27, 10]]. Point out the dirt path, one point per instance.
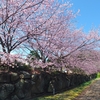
[[92, 92]]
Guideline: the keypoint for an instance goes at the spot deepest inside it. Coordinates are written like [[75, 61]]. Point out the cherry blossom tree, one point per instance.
[[47, 28], [15, 21], [16, 17], [54, 35], [62, 43]]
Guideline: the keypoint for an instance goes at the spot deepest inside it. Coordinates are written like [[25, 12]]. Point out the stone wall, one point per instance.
[[24, 86]]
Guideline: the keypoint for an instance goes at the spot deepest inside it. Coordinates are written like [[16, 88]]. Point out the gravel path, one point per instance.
[[92, 92]]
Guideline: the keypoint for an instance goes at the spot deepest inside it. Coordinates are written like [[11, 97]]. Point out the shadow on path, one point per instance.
[[92, 92]]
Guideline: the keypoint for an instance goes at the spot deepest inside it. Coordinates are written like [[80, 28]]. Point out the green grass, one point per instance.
[[98, 75], [67, 95]]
